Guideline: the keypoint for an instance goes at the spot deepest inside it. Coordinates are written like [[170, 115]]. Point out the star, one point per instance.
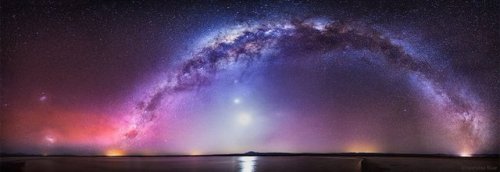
[[236, 101], [50, 139], [43, 98]]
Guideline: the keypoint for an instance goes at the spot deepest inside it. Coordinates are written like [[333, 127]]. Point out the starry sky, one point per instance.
[[205, 77]]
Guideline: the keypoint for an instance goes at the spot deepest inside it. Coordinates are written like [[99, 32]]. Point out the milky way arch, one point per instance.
[[248, 43]]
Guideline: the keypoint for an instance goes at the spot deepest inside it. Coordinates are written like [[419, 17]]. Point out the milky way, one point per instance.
[[147, 77], [455, 108]]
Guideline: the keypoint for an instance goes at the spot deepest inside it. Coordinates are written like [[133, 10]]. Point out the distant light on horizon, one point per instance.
[[195, 152], [362, 148], [115, 152], [465, 154]]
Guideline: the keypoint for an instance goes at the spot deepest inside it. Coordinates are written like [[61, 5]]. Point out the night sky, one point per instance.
[[203, 77]]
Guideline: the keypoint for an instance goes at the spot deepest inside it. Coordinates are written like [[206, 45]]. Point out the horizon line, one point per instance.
[[252, 153]]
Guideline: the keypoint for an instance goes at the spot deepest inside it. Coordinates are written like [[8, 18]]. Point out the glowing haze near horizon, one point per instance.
[[177, 78]]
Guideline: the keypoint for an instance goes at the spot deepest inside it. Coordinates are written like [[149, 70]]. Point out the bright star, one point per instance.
[[236, 101], [42, 98], [50, 139]]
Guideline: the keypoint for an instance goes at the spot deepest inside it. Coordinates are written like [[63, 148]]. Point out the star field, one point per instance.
[[146, 77]]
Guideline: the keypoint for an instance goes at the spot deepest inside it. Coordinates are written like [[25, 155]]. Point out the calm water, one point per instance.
[[247, 164]]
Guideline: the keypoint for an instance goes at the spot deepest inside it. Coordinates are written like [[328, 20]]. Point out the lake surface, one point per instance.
[[248, 163]]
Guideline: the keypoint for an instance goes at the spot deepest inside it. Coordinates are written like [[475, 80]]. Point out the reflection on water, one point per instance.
[[247, 163]]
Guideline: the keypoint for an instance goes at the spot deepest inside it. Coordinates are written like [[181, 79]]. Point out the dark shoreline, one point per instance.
[[254, 162]]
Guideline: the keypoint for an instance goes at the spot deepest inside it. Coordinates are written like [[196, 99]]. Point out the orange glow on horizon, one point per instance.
[[465, 153], [115, 152], [362, 148], [195, 152]]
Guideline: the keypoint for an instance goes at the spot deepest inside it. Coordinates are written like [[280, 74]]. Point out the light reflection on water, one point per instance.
[[247, 163]]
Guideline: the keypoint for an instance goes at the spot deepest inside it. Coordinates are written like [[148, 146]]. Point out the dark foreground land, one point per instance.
[[251, 163]]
